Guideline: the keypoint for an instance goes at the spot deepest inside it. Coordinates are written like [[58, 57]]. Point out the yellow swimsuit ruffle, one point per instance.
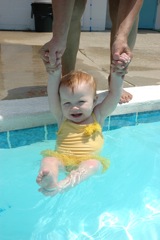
[[91, 128], [72, 160], [89, 141]]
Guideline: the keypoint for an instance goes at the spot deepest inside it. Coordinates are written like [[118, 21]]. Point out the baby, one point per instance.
[[73, 103]]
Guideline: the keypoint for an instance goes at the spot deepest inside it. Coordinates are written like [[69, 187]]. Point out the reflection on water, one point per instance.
[[20, 66]]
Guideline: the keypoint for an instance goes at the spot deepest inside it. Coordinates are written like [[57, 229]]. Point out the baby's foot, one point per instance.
[[74, 178], [46, 179], [49, 192], [64, 185]]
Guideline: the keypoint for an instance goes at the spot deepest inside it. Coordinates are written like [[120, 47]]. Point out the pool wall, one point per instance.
[[22, 137], [33, 112], [33, 116]]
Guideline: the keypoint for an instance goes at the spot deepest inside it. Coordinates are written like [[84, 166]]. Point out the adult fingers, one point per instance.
[[122, 63], [44, 53]]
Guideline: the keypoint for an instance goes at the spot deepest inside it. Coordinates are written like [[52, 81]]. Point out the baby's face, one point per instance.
[[77, 106]]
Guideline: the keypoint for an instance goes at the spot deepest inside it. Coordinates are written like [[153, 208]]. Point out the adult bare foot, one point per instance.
[[125, 97]]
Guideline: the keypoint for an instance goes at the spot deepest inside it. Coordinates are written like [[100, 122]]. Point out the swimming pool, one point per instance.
[[122, 204]]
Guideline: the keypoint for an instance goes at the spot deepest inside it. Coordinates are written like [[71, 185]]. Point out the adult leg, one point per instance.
[[133, 34], [70, 54], [113, 9]]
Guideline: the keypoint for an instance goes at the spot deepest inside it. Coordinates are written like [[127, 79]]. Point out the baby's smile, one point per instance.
[[76, 115]]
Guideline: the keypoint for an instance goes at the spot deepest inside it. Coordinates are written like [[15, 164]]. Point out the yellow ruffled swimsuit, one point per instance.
[[77, 143]]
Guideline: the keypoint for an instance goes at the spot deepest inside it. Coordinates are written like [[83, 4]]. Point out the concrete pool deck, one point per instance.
[[33, 112], [23, 78]]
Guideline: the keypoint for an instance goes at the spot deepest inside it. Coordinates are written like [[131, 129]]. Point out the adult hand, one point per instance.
[[120, 47], [51, 54], [121, 71]]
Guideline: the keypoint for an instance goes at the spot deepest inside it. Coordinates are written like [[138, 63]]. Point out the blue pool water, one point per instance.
[[122, 204]]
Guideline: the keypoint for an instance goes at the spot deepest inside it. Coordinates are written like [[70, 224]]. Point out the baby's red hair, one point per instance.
[[75, 78]]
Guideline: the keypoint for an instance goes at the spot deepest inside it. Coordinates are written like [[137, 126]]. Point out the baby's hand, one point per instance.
[[120, 66], [52, 68]]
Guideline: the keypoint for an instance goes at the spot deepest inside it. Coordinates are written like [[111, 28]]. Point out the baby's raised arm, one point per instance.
[[108, 105], [53, 95]]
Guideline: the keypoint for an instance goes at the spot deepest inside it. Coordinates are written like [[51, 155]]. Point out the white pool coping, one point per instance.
[[34, 112]]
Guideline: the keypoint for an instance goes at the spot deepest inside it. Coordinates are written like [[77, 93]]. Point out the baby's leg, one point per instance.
[[48, 175], [84, 171]]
